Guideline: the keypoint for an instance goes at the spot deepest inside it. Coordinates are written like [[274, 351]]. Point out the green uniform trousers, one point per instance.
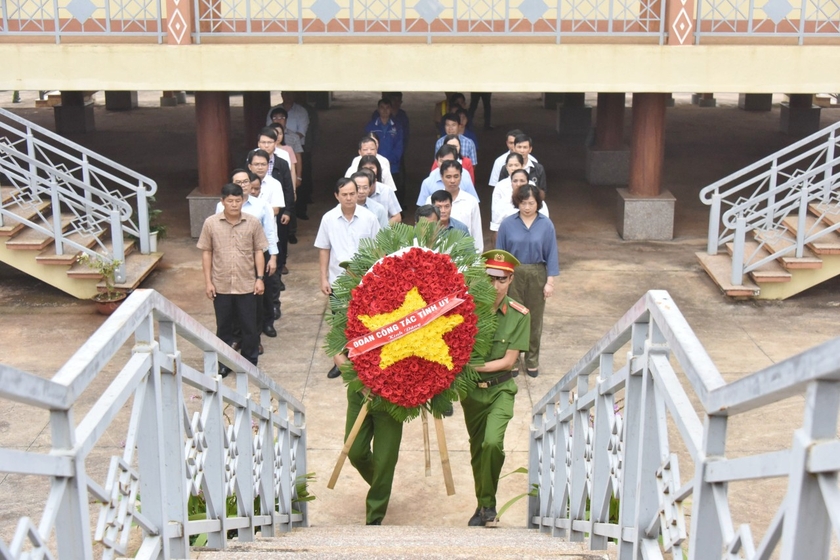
[[487, 413], [377, 465], [527, 289]]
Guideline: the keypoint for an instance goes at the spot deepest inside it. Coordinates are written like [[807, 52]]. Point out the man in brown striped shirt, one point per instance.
[[233, 263]]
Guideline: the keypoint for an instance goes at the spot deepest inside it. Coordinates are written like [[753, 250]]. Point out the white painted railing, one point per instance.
[[583, 452], [185, 433], [95, 192], [756, 200]]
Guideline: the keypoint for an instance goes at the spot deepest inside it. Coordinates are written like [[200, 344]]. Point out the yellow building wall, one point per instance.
[[422, 67]]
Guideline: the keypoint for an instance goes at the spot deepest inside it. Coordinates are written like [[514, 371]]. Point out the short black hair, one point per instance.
[[257, 153], [366, 139], [515, 132], [516, 156], [269, 132], [384, 101], [426, 211], [520, 138], [445, 150], [452, 117], [525, 192], [451, 163], [441, 196], [366, 173], [253, 176], [344, 181], [278, 110], [231, 189]]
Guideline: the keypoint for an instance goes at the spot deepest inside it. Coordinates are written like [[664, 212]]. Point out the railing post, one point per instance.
[[245, 459], [829, 170], [604, 421], [88, 193], [714, 225], [117, 247], [577, 503], [534, 502], [58, 230], [73, 526], [737, 277], [771, 195], [214, 467], [550, 505], [143, 219], [807, 526], [706, 532], [284, 496], [266, 487], [802, 220], [30, 151]]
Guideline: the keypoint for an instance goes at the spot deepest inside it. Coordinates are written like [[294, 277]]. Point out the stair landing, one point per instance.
[[409, 543]]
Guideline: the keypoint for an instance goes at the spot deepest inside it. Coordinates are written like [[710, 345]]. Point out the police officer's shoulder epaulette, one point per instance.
[[519, 307]]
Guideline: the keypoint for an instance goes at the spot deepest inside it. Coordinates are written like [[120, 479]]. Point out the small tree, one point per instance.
[[107, 268]]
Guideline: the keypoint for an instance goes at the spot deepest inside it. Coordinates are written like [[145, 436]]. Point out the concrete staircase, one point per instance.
[[409, 543], [787, 275], [34, 253]]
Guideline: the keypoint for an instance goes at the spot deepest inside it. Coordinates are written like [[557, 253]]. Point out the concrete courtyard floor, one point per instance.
[[601, 277]]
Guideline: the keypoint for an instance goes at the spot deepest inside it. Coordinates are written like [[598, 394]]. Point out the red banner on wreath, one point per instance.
[[398, 329]]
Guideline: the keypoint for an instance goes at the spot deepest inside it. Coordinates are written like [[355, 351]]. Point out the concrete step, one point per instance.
[[33, 240], [830, 213], [27, 211], [48, 256], [78, 270], [776, 242], [409, 543], [719, 267], [137, 267], [828, 244], [771, 271]]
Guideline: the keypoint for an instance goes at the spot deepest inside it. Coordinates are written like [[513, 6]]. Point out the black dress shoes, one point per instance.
[[282, 286], [334, 372], [482, 517], [277, 312], [292, 239], [269, 331], [224, 371]]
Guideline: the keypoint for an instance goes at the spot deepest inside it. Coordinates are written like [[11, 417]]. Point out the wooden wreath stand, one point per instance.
[[441, 439]]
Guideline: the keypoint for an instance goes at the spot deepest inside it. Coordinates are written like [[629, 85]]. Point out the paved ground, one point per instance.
[[601, 277]]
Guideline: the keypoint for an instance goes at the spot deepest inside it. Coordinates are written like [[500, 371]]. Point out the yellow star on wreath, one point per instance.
[[424, 343]]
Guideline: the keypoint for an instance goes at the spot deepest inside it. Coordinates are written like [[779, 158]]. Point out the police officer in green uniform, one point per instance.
[[376, 464], [489, 407]]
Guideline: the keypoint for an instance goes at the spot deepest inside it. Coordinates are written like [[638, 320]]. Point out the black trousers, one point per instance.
[[270, 297], [283, 231], [484, 97], [239, 310]]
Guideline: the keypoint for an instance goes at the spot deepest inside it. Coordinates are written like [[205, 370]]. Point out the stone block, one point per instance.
[[181, 97], [607, 167], [755, 101], [202, 206], [800, 121], [574, 121], [551, 100], [646, 218], [120, 100], [700, 101], [166, 101], [74, 119]]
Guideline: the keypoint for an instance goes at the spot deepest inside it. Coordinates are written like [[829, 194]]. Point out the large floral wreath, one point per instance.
[[414, 313]]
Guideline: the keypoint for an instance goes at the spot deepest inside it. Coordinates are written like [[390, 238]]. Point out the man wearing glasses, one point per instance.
[[488, 407]]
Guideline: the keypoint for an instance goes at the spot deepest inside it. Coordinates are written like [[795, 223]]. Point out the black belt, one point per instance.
[[495, 381]]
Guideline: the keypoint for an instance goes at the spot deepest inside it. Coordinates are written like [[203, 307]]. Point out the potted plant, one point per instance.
[[107, 301], [157, 230]]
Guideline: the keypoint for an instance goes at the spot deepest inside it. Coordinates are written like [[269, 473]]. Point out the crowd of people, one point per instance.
[[245, 248]]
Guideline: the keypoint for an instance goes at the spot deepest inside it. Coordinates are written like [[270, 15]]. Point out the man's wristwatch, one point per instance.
[[260, 277]]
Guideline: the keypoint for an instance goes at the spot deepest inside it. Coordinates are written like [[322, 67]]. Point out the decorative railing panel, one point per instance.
[[431, 18], [240, 448], [756, 201], [66, 18], [87, 193], [798, 19], [586, 452]]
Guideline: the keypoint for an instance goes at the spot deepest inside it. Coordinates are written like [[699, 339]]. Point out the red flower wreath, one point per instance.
[[413, 380]]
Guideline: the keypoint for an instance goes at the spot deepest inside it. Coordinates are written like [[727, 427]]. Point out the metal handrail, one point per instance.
[[97, 190], [585, 451], [176, 445], [760, 196]]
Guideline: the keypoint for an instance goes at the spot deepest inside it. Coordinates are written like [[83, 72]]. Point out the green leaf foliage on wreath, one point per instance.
[[461, 249]]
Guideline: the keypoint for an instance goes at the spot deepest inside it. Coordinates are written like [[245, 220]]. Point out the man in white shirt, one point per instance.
[[434, 182], [464, 205], [272, 191], [363, 183], [368, 146], [340, 232], [499, 164]]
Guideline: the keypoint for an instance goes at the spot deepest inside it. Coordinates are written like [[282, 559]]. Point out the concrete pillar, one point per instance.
[[120, 100], [321, 100], [608, 160], [74, 115], [181, 97], [755, 101], [646, 211], [551, 100], [799, 116], [574, 116], [168, 99], [703, 99], [212, 131], [255, 107]]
